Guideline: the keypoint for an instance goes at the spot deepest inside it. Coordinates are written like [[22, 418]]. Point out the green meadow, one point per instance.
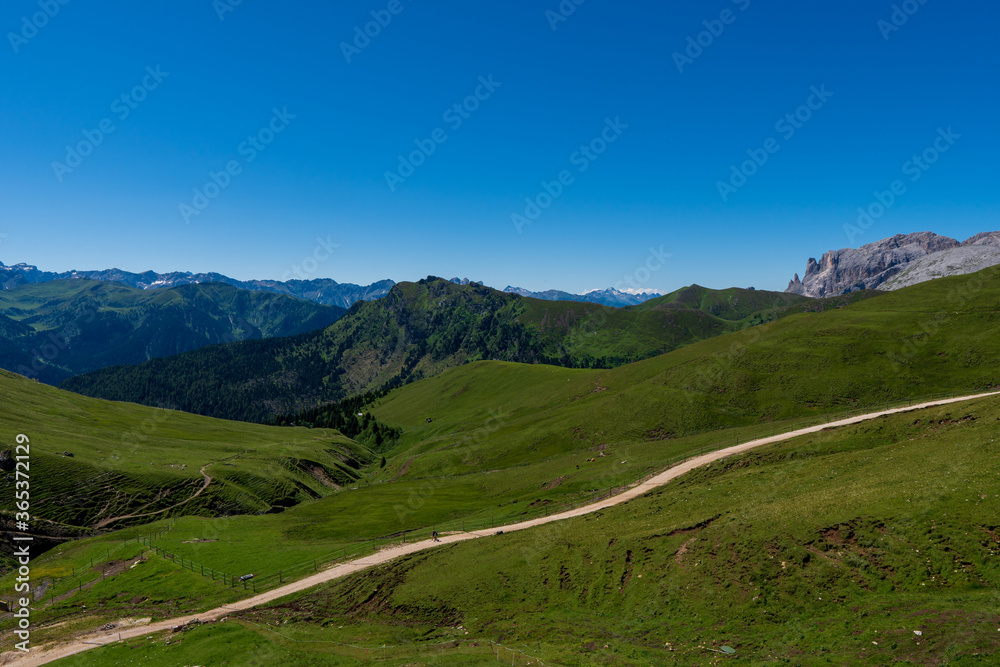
[[494, 442], [94, 460], [834, 548]]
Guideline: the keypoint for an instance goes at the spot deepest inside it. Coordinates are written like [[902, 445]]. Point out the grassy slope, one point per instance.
[[129, 458], [509, 438], [504, 436], [599, 336], [746, 307], [97, 324], [892, 348], [729, 304], [417, 331], [614, 335], [831, 548]]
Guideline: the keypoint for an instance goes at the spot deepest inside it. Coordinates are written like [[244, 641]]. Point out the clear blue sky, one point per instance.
[[323, 175]]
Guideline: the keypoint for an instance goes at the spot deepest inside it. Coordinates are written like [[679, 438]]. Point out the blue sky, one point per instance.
[[208, 85]]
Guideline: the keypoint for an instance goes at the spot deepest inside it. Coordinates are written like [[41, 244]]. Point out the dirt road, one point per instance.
[[87, 642]]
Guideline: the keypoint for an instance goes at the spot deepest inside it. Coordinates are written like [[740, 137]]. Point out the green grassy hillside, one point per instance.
[[416, 331], [504, 439], [828, 549], [747, 307], [498, 438], [492, 442], [933, 338], [93, 460], [729, 304], [833, 547], [54, 330]]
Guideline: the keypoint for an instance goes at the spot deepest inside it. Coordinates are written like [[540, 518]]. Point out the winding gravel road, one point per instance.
[[86, 642]]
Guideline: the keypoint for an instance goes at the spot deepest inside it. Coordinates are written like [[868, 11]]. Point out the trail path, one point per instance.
[[106, 522], [89, 641]]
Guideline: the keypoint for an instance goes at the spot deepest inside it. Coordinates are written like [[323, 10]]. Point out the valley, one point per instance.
[[264, 403], [490, 446], [53, 330], [386, 555]]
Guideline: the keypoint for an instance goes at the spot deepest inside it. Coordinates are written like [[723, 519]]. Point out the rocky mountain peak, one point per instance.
[[874, 265], [983, 238]]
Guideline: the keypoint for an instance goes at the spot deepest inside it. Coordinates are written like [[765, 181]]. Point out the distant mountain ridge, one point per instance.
[[892, 263], [53, 330], [421, 329], [605, 297], [321, 290]]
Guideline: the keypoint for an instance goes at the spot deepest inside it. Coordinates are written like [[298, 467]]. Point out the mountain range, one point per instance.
[[887, 264], [421, 329], [321, 290], [892, 263], [607, 297], [880, 533], [53, 330], [134, 318]]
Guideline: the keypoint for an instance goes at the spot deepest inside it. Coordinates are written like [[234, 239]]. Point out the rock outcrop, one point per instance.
[[900, 261], [980, 252]]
